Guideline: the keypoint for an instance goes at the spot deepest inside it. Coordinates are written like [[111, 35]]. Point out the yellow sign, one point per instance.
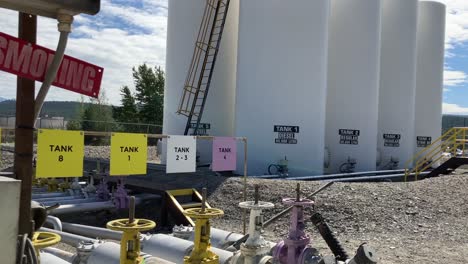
[[129, 153], [59, 153]]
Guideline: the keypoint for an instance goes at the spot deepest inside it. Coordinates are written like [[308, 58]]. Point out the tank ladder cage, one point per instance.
[[203, 62]]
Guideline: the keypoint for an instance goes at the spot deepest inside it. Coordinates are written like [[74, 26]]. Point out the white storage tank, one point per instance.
[[353, 81], [397, 83], [429, 73], [281, 83], [184, 18]]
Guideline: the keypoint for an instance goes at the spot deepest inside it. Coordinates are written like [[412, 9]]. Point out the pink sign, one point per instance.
[[224, 154]]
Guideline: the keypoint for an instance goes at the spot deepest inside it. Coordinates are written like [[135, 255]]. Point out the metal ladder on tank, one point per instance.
[[197, 83]]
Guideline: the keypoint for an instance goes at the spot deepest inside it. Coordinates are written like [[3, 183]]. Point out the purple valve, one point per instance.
[[295, 249], [102, 191], [120, 196]]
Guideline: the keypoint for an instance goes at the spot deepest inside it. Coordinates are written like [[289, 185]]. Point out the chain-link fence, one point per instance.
[[449, 121]]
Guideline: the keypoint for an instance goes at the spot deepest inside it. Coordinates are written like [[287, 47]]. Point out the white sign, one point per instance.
[[181, 154]]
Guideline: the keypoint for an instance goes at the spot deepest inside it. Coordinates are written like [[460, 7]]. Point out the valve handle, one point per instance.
[[126, 226], [45, 239], [256, 205], [301, 202], [199, 213]]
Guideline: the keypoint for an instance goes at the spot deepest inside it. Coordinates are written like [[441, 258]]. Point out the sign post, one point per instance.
[[24, 131], [59, 153], [129, 153]]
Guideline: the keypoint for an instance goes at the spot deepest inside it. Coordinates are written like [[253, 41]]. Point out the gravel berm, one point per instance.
[[417, 222]]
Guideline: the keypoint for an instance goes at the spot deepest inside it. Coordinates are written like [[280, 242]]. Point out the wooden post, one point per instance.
[[24, 132]]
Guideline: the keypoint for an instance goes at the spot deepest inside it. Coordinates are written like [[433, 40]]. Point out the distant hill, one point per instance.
[[2, 99], [68, 110]]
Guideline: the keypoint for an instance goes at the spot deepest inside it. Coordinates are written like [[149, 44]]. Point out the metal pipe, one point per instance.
[[67, 256], [70, 239], [51, 259], [85, 207], [109, 253], [74, 201], [55, 222], [174, 249], [340, 175], [92, 231], [39, 189], [49, 195], [369, 178], [56, 199], [220, 238], [96, 206]]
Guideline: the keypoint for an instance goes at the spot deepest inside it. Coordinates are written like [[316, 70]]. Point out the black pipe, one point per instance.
[[326, 233]]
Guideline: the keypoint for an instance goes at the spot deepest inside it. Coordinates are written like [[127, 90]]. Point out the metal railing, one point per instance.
[[452, 143]]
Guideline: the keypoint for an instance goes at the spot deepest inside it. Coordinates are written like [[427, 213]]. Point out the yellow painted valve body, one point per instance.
[[130, 242], [201, 253]]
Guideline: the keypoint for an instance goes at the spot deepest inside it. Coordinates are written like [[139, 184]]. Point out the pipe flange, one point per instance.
[[309, 255], [256, 206], [295, 202]]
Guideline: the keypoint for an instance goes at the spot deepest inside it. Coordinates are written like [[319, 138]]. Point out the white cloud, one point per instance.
[[102, 40], [454, 109], [457, 22], [454, 78]]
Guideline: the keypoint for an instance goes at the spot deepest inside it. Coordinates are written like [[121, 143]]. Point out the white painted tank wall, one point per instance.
[[184, 18], [430, 67], [353, 80], [281, 80], [397, 81]]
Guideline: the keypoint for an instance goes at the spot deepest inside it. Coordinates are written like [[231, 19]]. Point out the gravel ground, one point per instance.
[[418, 222]]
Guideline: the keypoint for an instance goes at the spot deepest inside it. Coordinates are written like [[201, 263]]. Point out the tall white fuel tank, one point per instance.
[[353, 81], [429, 73], [397, 83], [281, 83], [184, 18]]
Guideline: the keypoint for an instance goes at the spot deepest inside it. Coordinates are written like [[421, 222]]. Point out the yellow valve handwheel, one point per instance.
[[208, 213], [125, 225], [45, 239]]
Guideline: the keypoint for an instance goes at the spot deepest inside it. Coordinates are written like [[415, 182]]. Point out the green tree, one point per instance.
[[128, 112], [97, 116], [94, 116], [149, 86]]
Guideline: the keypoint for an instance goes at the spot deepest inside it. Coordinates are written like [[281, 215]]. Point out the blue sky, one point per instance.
[[128, 33], [456, 89]]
